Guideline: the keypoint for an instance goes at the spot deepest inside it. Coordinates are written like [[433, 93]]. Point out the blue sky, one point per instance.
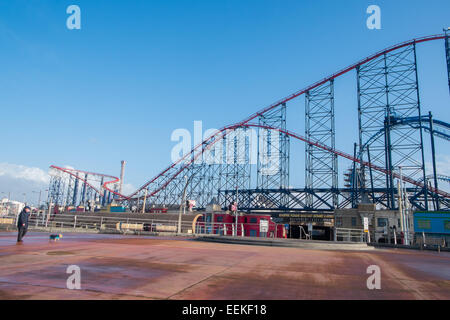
[[138, 70]]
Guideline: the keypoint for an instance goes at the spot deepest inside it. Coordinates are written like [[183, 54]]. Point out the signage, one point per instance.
[[263, 225], [366, 224]]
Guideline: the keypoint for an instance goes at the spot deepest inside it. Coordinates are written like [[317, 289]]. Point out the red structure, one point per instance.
[[158, 210], [248, 225]]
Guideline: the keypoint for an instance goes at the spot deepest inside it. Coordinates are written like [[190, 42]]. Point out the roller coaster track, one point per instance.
[[413, 121], [344, 71], [301, 138], [440, 177], [424, 119], [76, 174], [175, 169]]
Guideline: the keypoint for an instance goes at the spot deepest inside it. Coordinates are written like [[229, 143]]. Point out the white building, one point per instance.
[[10, 207]]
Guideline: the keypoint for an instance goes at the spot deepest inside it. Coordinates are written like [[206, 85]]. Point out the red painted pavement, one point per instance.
[[128, 267]]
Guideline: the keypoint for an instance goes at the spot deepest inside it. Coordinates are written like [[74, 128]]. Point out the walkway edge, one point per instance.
[[288, 243]]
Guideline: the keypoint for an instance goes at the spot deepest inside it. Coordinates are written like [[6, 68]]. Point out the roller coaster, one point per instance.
[[219, 169]]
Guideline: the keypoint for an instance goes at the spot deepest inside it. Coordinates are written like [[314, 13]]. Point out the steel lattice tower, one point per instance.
[[56, 190], [387, 88], [321, 167], [273, 151], [75, 192], [70, 191], [235, 169], [212, 158]]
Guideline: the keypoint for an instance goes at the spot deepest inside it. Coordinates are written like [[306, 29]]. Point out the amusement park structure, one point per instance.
[[391, 133]]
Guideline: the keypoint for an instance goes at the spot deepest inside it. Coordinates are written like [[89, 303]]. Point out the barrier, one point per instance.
[[6, 220]]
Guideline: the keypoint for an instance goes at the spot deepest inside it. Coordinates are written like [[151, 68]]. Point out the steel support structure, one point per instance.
[[447, 54], [433, 157], [70, 194], [273, 151], [84, 189], [204, 174], [211, 168], [225, 165], [274, 199], [71, 187], [75, 192], [235, 169], [56, 190], [388, 88], [90, 196], [321, 167]]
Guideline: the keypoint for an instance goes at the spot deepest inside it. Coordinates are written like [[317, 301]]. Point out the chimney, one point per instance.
[[122, 172]]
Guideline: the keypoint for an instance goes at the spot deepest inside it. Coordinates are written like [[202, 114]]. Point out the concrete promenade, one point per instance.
[[132, 267]]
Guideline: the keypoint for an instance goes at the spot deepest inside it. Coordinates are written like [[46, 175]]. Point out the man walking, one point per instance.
[[22, 223]]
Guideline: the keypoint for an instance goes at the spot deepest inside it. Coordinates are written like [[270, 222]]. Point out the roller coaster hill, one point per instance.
[[392, 129]]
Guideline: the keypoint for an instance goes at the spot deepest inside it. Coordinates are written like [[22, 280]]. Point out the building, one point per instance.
[[432, 228], [248, 225], [308, 225], [384, 225], [10, 207]]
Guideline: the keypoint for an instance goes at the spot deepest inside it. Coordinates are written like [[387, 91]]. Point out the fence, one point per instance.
[[350, 235], [399, 238], [94, 223], [87, 223], [104, 224]]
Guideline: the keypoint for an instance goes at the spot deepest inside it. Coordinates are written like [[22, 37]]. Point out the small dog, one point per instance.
[[55, 237]]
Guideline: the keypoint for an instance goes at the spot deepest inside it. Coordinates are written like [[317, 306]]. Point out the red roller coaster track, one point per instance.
[[220, 134], [342, 154], [74, 173]]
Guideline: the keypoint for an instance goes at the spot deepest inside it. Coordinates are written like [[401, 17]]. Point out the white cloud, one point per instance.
[[128, 188], [22, 183], [442, 165], [21, 172]]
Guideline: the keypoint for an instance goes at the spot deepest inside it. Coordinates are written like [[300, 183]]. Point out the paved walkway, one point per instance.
[[129, 267]]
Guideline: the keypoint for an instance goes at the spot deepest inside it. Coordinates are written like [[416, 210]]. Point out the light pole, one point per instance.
[[183, 201], [39, 201], [236, 215], [403, 205]]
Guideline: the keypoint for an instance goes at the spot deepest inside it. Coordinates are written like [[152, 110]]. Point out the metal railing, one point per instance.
[[350, 235], [126, 225], [238, 230], [95, 223], [414, 239]]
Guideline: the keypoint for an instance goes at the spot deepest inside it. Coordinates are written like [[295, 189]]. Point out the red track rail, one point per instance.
[[342, 72], [342, 154], [349, 157]]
